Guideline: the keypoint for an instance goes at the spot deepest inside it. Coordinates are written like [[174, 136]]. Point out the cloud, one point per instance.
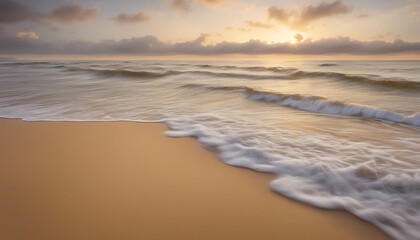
[[150, 45], [182, 6], [27, 35], [130, 19], [3, 28], [298, 37], [212, 2], [312, 13], [307, 14], [70, 13], [258, 24], [279, 15], [13, 11]]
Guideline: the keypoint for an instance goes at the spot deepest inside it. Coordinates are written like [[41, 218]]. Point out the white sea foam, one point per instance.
[[324, 106], [389, 200]]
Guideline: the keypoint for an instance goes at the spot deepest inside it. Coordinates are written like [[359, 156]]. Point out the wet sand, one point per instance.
[[125, 180]]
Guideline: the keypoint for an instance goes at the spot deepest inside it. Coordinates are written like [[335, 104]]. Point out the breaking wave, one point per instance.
[[316, 104], [322, 105]]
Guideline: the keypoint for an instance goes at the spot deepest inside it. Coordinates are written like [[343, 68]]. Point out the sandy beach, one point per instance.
[[125, 180]]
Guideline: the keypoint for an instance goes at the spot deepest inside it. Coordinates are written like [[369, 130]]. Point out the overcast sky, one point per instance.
[[209, 27]]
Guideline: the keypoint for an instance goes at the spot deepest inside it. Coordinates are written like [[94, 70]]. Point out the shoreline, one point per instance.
[[126, 180]]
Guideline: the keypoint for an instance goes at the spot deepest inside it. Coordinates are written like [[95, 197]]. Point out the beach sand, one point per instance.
[[126, 180]]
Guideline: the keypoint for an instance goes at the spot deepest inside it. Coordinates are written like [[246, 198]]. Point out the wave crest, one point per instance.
[[123, 73], [372, 79], [295, 74], [282, 74], [317, 104], [322, 105]]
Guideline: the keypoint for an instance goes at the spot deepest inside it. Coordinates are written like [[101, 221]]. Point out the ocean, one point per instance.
[[337, 134]]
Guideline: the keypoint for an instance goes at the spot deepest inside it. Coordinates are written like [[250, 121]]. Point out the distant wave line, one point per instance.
[[293, 75], [282, 73], [317, 104]]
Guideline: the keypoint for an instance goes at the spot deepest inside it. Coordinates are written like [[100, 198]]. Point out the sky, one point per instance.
[[208, 28]]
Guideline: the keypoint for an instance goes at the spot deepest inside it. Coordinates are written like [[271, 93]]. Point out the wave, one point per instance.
[[295, 74], [289, 74], [254, 68], [148, 74], [231, 75], [216, 66], [271, 69], [388, 200], [123, 73], [372, 79], [282, 73], [316, 104], [328, 65], [214, 87], [25, 63]]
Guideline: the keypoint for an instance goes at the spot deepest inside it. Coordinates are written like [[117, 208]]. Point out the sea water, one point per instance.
[[337, 134]]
